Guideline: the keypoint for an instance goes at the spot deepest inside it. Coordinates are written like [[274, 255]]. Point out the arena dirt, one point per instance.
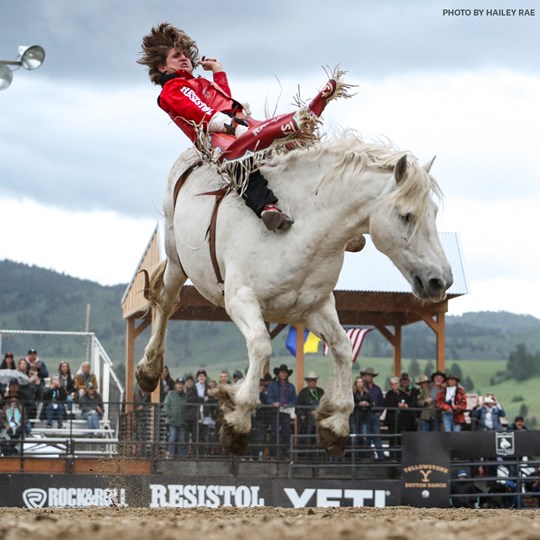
[[397, 523]]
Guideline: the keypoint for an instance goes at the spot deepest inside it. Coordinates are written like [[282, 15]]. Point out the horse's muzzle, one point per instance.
[[433, 289]]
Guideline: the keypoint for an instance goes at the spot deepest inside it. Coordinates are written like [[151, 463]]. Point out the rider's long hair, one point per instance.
[[157, 44]]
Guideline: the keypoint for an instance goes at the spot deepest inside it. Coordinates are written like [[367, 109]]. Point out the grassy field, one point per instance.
[[480, 371]]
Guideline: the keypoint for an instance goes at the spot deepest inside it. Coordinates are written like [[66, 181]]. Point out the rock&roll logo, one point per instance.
[[73, 497], [34, 498]]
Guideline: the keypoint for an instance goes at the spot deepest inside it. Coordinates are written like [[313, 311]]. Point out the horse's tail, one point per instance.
[[153, 284]]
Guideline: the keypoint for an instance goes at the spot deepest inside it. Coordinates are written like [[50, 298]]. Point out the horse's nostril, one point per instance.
[[435, 285], [419, 284]]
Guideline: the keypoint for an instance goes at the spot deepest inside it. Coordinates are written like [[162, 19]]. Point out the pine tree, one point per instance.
[[414, 369], [521, 364], [430, 368], [455, 369]]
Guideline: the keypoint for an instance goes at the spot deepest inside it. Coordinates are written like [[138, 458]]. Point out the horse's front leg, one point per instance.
[[239, 401], [165, 285], [337, 403]]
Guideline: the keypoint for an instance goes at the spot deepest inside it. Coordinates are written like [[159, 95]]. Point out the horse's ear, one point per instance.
[[427, 166], [401, 169]]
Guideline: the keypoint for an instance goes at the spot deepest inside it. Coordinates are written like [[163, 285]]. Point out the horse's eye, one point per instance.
[[407, 218]]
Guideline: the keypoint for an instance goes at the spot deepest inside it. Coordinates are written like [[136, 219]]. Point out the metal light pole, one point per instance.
[[28, 57]]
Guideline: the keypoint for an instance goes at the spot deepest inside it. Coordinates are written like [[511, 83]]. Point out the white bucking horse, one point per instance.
[[335, 191]]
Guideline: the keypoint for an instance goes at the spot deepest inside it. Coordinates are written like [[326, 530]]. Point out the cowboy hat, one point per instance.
[[452, 376], [283, 367], [441, 373], [423, 379], [368, 371], [311, 375]]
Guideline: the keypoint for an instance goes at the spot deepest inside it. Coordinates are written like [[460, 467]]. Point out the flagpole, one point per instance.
[[300, 329]]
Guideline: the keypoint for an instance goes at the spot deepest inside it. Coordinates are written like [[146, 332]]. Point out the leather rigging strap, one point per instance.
[[219, 195], [179, 183]]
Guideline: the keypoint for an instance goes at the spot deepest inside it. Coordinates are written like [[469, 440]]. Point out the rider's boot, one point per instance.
[[260, 198], [320, 101]]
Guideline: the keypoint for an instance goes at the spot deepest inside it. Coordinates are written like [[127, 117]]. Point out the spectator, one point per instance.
[[307, 401], [11, 390], [68, 384], [23, 367], [438, 381], [282, 395], [14, 425], [374, 426], [489, 414], [463, 486], [33, 360], [54, 398], [238, 377], [207, 412], [518, 424], [360, 417], [452, 402], [408, 418], [224, 377], [175, 410], [166, 384], [261, 418], [395, 402], [28, 394], [8, 362], [83, 378], [428, 405], [191, 420], [91, 408]]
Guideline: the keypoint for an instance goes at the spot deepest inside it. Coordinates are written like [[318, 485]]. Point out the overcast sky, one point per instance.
[[85, 151]]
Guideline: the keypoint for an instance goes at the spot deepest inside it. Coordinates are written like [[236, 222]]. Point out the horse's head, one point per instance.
[[402, 227]]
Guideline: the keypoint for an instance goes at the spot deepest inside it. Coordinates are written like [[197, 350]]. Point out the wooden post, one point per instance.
[[157, 391], [395, 340], [441, 331], [130, 362], [397, 350], [438, 325], [300, 329]]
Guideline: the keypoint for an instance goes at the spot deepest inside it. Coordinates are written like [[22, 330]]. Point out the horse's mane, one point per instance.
[[353, 156]]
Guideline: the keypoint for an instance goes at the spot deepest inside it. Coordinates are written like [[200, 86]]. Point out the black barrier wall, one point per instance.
[[427, 459], [426, 476], [426, 469], [157, 491]]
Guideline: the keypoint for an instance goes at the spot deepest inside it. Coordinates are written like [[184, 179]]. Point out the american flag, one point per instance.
[[356, 335]]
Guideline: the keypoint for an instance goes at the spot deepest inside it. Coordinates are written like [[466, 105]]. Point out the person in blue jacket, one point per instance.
[[282, 395]]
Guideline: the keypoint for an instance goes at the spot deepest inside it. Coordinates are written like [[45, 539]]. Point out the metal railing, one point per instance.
[[496, 483]]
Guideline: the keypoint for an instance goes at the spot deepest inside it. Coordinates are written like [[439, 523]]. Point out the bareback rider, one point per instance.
[[195, 102]]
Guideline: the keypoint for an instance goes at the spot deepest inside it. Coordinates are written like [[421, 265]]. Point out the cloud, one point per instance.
[[100, 40], [77, 148], [100, 246]]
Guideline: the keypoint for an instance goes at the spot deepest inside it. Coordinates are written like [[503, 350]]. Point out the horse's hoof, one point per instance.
[[232, 441], [334, 445], [146, 383]]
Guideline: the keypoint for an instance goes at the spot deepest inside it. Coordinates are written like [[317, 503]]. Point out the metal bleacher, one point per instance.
[[74, 438]]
